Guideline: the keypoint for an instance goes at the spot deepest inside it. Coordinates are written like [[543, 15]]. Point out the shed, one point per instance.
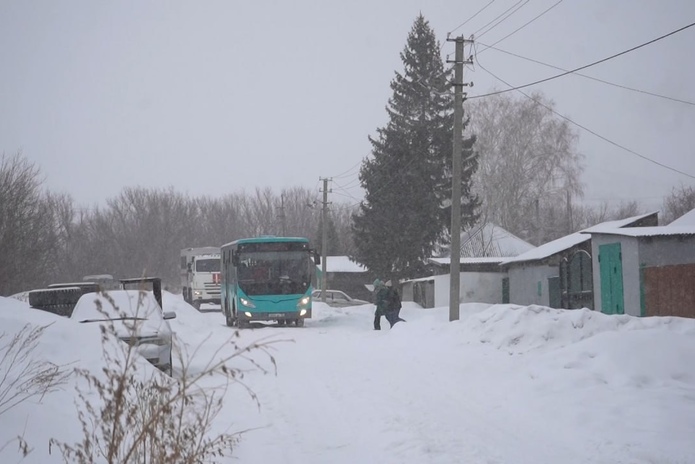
[[559, 273], [644, 271]]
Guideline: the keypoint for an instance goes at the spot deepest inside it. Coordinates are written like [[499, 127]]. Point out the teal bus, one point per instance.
[[267, 278]]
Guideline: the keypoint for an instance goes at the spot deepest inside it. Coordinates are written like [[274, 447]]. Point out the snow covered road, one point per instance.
[[503, 385]]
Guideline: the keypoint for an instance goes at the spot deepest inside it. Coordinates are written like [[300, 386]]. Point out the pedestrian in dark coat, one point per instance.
[[393, 304], [380, 295]]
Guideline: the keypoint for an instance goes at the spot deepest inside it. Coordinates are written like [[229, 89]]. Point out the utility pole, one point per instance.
[[455, 260], [569, 213], [324, 238], [283, 222]]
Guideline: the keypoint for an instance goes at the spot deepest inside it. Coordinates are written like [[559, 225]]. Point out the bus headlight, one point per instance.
[[247, 303], [197, 293], [302, 312], [304, 302], [248, 314]]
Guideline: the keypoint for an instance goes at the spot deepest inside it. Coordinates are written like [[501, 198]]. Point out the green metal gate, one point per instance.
[[611, 268]]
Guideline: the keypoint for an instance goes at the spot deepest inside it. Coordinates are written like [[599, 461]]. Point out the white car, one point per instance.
[[338, 299], [137, 318]]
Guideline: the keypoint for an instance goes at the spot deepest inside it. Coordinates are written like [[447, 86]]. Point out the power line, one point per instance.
[[586, 66], [343, 174], [475, 34], [476, 14], [520, 28], [587, 76], [586, 128], [352, 184]]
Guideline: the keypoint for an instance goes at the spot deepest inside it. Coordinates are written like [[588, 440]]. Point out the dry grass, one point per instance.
[[23, 376], [130, 417]]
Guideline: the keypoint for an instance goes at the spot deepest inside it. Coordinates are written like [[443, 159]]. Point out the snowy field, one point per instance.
[[505, 384]]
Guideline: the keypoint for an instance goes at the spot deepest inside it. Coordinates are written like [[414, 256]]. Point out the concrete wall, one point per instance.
[[481, 287], [667, 250], [630, 263], [524, 283], [476, 287]]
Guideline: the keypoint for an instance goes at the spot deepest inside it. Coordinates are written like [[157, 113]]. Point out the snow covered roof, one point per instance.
[[550, 248], [646, 231], [492, 240], [464, 260], [342, 264], [568, 241], [619, 223], [688, 219]]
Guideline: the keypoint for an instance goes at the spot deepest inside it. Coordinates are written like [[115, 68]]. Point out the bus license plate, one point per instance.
[[276, 315]]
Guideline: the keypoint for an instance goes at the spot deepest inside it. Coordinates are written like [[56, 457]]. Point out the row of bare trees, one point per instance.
[[47, 238]]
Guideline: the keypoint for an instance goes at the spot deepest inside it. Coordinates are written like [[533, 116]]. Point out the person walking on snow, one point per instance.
[[393, 304], [380, 300]]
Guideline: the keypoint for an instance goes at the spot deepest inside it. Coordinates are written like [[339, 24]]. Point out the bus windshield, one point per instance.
[[207, 265], [274, 272]]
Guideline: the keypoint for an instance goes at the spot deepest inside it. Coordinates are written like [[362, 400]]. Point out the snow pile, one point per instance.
[[520, 329]]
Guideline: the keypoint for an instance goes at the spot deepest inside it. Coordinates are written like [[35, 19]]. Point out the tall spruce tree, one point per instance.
[[406, 213]]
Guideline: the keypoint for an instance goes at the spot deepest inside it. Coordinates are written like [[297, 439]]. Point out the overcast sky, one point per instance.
[[215, 97]]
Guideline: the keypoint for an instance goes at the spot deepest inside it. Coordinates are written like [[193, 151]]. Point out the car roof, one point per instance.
[[117, 303]]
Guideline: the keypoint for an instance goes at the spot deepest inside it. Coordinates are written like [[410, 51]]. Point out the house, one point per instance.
[[482, 250], [645, 271], [559, 273], [346, 275]]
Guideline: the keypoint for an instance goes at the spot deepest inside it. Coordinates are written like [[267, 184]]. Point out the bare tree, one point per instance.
[[27, 236], [680, 201], [587, 216], [528, 163]]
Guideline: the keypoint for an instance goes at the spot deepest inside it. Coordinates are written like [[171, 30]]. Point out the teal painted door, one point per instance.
[[611, 269]]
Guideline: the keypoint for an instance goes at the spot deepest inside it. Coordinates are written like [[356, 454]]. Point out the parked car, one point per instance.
[[137, 319], [338, 299]]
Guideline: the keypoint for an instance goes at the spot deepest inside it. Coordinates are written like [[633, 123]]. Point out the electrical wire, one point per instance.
[[596, 134], [587, 76], [476, 14], [523, 26], [586, 66], [476, 35], [345, 173]]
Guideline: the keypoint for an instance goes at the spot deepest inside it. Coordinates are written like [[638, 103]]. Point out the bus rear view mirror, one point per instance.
[[317, 258], [235, 259]]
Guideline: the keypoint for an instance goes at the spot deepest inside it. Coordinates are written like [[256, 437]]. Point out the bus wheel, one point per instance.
[[300, 322], [281, 322], [227, 316]]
